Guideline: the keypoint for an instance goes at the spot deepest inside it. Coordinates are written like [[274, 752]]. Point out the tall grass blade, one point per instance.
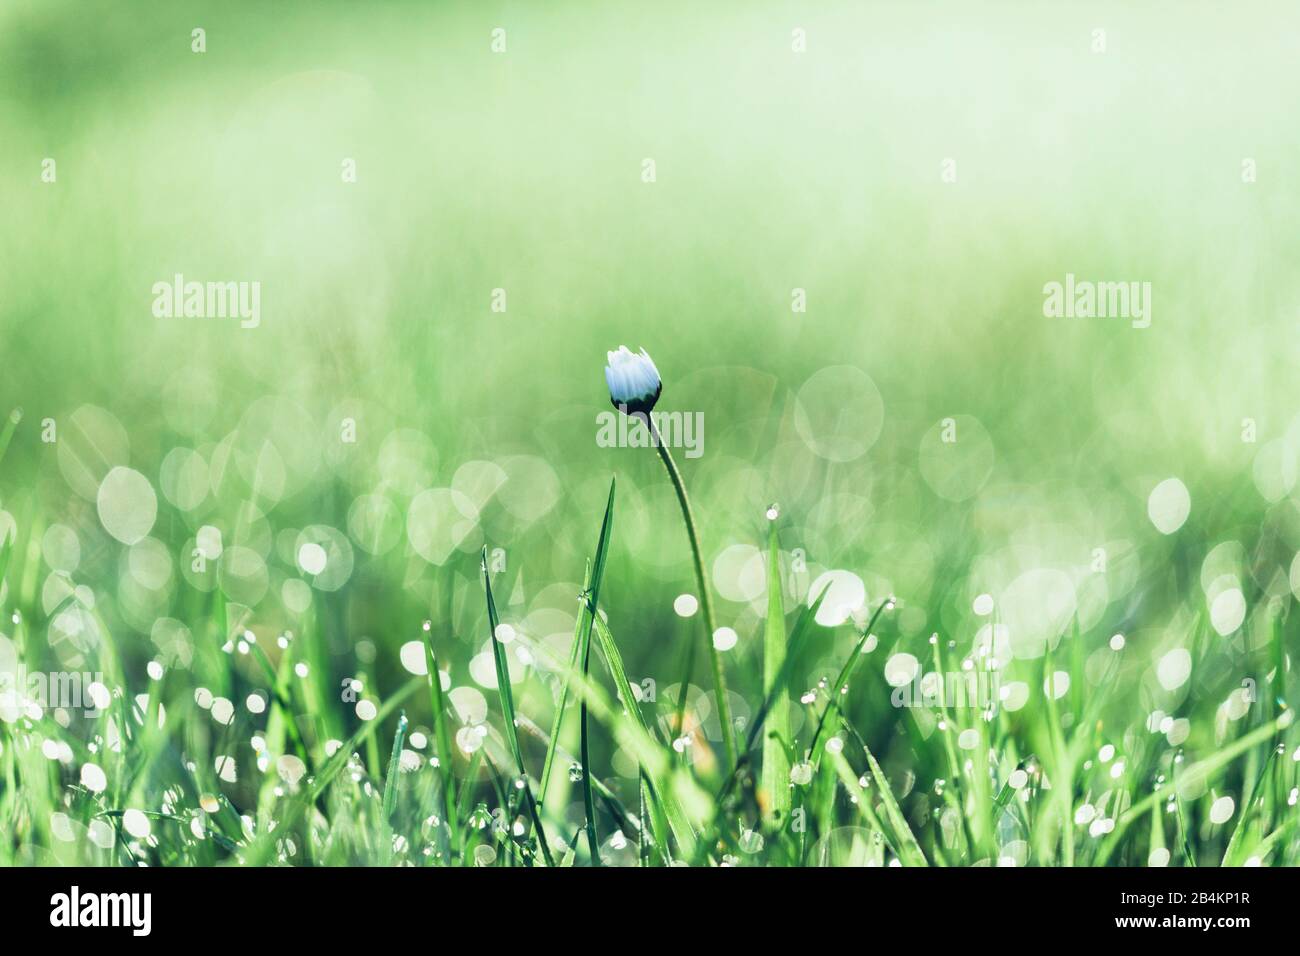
[[776, 765], [508, 711], [588, 619], [443, 741], [557, 722]]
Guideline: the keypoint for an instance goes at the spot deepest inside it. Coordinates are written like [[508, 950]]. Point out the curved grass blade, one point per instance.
[[448, 780], [508, 710], [262, 849], [846, 672], [557, 721], [390, 790], [588, 618], [394, 768], [614, 663], [910, 851], [776, 765], [1198, 774]]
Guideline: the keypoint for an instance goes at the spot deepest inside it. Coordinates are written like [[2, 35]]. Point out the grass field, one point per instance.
[[321, 543]]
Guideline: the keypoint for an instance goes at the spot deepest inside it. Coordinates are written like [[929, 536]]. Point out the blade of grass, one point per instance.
[[1247, 805], [390, 789], [910, 850], [508, 710], [614, 663], [394, 768], [557, 721], [841, 682], [588, 618], [776, 766], [443, 739], [1198, 772], [262, 849]]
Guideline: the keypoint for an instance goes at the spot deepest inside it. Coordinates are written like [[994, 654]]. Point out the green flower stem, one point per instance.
[[719, 679]]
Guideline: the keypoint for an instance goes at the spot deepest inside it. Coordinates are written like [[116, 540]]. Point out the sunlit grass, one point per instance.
[[262, 550]]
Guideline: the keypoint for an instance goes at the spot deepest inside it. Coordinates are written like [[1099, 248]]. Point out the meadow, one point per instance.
[[935, 570]]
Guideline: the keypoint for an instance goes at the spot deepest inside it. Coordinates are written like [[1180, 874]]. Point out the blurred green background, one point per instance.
[[775, 170]]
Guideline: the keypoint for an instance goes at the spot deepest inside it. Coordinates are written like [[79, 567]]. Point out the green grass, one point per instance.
[[959, 785], [549, 642]]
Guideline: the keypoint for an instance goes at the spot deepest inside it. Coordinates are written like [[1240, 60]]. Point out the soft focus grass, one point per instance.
[[775, 171]]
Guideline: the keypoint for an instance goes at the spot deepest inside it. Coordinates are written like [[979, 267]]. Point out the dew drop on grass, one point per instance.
[[724, 639], [291, 769], [127, 505], [1228, 611], [366, 710], [93, 778], [1117, 642], [575, 773], [845, 593], [1174, 668], [983, 605], [901, 669], [1177, 732], [99, 695], [801, 774], [136, 824], [225, 767], [1222, 809], [468, 740], [100, 833], [312, 558], [413, 658], [1169, 505], [1057, 685], [223, 711], [61, 827]]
